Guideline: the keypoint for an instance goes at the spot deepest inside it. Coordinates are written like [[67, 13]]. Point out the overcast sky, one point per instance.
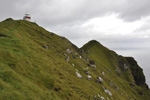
[[121, 25]]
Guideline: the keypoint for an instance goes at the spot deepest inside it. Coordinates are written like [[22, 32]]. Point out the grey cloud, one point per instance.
[[66, 17], [73, 10], [63, 11], [126, 43], [134, 9], [15, 8], [144, 30]]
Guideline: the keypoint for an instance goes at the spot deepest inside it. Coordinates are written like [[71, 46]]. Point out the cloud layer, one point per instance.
[[85, 19]]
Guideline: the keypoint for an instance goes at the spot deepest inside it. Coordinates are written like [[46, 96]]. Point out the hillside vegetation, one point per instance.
[[39, 65]]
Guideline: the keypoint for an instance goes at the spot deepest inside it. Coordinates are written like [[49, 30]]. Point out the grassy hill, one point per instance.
[[39, 65]]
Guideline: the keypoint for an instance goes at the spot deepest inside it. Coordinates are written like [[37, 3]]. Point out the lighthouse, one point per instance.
[[27, 17]]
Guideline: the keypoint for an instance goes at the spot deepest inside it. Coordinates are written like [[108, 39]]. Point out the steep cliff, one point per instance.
[[137, 72]]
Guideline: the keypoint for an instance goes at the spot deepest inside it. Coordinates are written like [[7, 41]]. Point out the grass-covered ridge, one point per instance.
[[33, 66]]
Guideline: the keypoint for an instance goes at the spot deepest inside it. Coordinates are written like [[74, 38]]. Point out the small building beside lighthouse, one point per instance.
[[27, 17]]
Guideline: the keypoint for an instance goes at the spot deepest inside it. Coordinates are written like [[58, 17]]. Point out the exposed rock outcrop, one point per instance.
[[137, 72]]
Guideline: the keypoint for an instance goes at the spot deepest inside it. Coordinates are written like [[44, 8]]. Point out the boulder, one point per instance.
[[94, 66], [45, 46], [111, 84], [72, 64], [78, 74], [92, 62], [67, 59], [65, 54], [108, 92], [69, 51], [103, 73], [100, 80], [89, 77], [87, 72]]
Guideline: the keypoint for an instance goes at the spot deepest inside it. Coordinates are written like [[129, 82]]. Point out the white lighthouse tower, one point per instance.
[[27, 17]]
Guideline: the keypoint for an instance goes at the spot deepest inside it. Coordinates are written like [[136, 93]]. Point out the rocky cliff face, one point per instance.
[[137, 72], [39, 65]]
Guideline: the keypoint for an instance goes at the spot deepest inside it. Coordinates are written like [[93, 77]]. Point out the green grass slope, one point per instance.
[[123, 71], [33, 66]]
